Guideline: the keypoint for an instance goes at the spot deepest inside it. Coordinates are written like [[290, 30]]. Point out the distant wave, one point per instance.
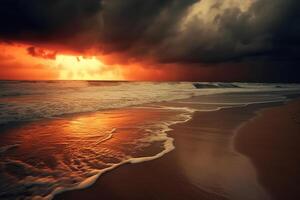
[[34, 100], [215, 85], [18, 94]]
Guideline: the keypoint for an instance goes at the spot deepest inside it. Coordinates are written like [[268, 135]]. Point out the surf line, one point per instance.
[[110, 135]]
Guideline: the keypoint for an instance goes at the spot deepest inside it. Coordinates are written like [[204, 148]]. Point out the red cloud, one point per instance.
[[42, 53]]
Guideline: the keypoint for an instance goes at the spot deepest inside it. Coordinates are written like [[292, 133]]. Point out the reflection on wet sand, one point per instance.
[[63, 152], [206, 155], [204, 165]]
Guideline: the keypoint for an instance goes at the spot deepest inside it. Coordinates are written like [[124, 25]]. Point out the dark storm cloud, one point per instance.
[[138, 25], [162, 30], [46, 20], [267, 30]]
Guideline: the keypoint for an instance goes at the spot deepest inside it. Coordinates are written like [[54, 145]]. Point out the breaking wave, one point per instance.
[[33, 100]]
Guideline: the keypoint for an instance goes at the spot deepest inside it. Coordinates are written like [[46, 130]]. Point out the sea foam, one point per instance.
[[158, 135], [26, 101]]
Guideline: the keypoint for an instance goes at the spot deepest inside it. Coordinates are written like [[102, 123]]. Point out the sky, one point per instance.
[[162, 40]]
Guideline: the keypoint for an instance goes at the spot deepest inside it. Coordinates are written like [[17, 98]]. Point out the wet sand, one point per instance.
[[40, 156], [272, 141], [204, 165]]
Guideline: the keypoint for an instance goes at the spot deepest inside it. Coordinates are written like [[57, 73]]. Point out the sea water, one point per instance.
[[62, 135]]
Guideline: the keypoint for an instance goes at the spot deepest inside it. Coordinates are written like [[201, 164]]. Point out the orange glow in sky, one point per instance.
[[26, 62], [17, 64], [81, 68]]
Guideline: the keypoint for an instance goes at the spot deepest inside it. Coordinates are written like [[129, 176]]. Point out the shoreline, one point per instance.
[[271, 142], [168, 147], [205, 163], [122, 119], [108, 186], [289, 93]]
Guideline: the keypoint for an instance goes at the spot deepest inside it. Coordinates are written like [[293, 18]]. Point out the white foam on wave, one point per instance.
[[161, 135], [108, 137], [168, 142], [235, 103], [192, 110], [67, 98], [201, 110], [187, 109]]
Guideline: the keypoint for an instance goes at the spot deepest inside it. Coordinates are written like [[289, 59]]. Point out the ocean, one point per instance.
[[62, 135]]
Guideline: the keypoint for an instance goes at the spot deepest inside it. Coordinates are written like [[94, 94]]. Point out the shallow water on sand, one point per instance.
[[42, 158], [208, 159], [35, 100]]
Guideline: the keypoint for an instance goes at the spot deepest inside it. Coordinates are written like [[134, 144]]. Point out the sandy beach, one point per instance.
[[149, 100], [271, 141], [206, 163], [218, 145]]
